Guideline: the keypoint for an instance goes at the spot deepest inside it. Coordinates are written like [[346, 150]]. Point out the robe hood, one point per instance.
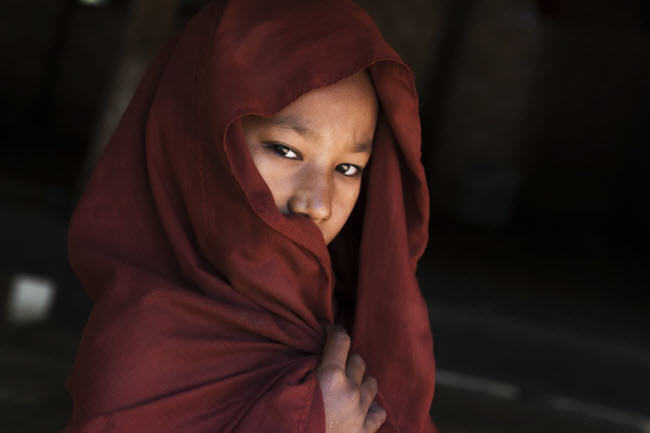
[[210, 305]]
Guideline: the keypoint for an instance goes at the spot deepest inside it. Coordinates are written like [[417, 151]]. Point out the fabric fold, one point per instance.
[[210, 306]]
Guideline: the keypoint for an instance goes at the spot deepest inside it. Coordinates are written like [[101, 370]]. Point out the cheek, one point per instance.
[[347, 197], [280, 187], [275, 177], [343, 201]]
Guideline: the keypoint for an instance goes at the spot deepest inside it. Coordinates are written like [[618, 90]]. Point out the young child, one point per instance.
[[237, 215]]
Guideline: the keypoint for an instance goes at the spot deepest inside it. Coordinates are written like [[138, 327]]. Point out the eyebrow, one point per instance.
[[363, 147], [292, 123]]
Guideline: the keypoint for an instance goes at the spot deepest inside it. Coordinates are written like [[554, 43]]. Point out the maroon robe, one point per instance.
[[210, 306]]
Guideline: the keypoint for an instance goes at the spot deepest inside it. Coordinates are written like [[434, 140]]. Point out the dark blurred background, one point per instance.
[[536, 134]]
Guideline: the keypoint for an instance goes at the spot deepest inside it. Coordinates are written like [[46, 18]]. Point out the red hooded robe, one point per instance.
[[210, 306]]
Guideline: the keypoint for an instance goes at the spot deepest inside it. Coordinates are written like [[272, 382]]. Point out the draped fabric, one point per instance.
[[210, 306]]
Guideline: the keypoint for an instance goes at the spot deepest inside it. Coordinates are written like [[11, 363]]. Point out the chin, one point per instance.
[[329, 238]]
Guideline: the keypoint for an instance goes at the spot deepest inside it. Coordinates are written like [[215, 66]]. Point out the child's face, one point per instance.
[[311, 153]]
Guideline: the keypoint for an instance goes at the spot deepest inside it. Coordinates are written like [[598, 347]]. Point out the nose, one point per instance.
[[313, 199]]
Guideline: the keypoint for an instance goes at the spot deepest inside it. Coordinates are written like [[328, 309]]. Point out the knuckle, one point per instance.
[[357, 359], [330, 371], [340, 377], [371, 383], [373, 423], [368, 391], [353, 395], [324, 370], [330, 377], [376, 415], [342, 337]]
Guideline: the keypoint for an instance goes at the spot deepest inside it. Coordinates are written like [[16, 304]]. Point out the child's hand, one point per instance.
[[347, 394]]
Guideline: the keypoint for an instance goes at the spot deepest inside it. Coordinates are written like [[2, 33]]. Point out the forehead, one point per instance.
[[296, 125], [348, 107], [354, 95]]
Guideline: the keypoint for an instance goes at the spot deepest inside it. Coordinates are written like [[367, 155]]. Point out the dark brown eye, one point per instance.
[[349, 170], [284, 151]]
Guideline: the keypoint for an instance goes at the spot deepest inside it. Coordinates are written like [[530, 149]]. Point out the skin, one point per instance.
[[348, 394], [311, 155]]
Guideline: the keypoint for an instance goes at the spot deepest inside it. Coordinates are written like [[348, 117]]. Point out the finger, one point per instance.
[[355, 368], [337, 345], [375, 418], [368, 391]]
